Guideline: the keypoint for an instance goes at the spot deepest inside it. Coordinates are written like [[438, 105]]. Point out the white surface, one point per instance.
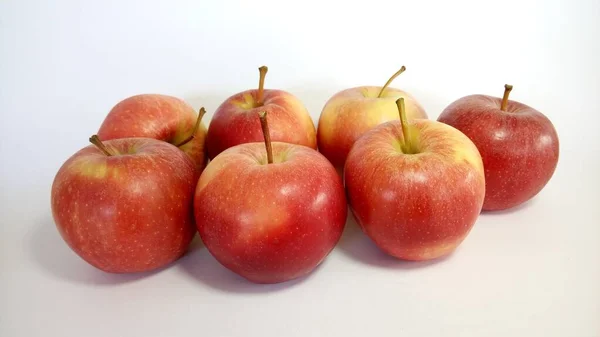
[[534, 271]]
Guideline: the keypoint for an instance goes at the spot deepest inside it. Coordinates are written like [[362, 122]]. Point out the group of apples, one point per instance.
[[269, 194]]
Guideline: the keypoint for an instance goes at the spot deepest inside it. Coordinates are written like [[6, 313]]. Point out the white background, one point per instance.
[[532, 271]]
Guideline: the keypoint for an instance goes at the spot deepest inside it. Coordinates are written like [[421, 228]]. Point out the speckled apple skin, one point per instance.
[[350, 113], [270, 223], [235, 121], [415, 206], [126, 213], [519, 147], [161, 117]]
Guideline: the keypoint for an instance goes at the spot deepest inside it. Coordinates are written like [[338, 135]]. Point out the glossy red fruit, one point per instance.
[[130, 211], [270, 222], [161, 117], [519, 146], [416, 188]]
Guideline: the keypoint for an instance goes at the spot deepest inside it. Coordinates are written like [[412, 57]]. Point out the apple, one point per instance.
[[125, 205], [235, 122], [161, 117], [518, 144], [415, 187], [270, 215], [350, 113]]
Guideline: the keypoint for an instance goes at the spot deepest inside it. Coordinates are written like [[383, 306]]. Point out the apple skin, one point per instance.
[[235, 122], [519, 147], [415, 206], [126, 213], [270, 223], [350, 113], [161, 117]]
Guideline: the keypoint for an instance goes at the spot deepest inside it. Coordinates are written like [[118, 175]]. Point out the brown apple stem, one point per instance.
[[265, 129], [195, 129], [507, 89], [96, 141], [390, 80], [405, 144], [261, 85]]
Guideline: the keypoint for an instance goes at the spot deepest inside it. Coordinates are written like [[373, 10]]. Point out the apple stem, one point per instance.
[[405, 143], [265, 129], [390, 80], [261, 84], [195, 129], [96, 141], [507, 89]]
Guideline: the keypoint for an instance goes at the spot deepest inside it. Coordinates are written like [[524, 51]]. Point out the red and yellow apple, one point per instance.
[[415, 187], [270, 215], [125, 205], [161, 117], [235, 122], [518, 144], [352, 112]]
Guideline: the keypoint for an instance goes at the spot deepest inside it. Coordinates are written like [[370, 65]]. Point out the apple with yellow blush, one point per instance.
[[234, 122], [270, 212], [415, 187], [161, 117], [125, 205], [350, 113]]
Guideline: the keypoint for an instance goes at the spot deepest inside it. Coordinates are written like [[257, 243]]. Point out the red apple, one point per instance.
[[518, 144], [161, 117], [235, 122], [352, 112], [270, 216], [125, 205], [415, 188]]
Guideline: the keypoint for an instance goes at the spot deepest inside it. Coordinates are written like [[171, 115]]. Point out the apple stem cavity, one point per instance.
[[507, 89], [195, 129], [261, 85], [406, 143], [390, 80], [96, 141], [265, 129]]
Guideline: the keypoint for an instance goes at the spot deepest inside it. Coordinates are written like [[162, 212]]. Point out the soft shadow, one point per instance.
[[519, 208], [54, 257], [201, 266], [357, 245]]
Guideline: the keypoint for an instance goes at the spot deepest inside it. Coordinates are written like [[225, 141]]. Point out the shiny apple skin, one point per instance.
[[270, 223], [415, 206], [519, 147], [126, 213], [352, 112], [235, 121], [161, 117]]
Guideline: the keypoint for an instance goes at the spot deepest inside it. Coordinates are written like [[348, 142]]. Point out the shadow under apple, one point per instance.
[[358, 246], [519, 208], [201, 266], [53, 256]]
